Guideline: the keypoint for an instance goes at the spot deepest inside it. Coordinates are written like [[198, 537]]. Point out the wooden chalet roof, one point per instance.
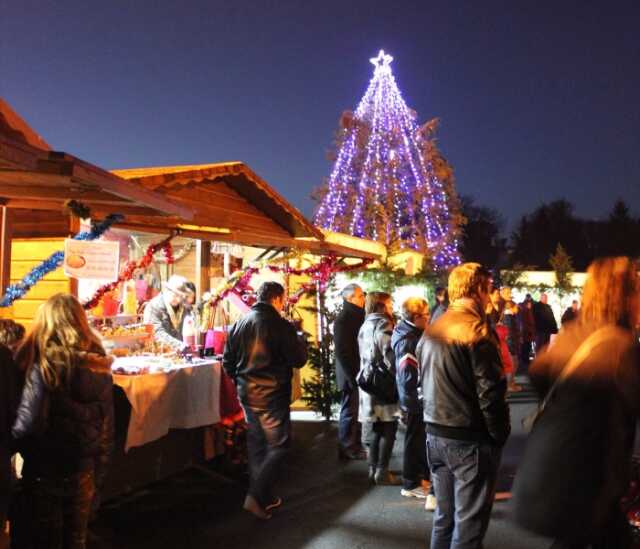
[[230, 194], [12, 125], [34, 177], [225, 201], [232, 203]]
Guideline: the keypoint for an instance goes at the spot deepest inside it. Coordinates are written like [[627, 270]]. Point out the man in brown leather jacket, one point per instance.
[[466, 416]]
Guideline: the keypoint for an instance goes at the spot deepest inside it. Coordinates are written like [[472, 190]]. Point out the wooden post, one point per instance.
[[203, 263], [74, 228], [6, 235]]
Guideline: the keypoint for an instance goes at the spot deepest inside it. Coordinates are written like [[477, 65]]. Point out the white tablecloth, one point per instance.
[[180, 399]]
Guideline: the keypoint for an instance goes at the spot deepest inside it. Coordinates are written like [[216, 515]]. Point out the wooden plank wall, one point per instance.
[[26, 254]]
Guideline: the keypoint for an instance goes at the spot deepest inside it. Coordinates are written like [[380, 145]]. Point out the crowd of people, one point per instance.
[[452, 375], [442, 372]]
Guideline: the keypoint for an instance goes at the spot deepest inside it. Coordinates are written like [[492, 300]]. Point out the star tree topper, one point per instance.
[[382, 62]]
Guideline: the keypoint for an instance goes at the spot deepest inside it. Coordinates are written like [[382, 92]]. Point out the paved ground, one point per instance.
[[328, 505]]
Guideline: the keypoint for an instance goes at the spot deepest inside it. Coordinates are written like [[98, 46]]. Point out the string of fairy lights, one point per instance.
[[382, 185]]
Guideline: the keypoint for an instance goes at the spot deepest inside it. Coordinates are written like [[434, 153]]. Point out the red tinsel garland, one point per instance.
[[320, 274], [130, 269]]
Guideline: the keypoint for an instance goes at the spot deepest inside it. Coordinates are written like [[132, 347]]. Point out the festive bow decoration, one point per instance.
[[19, 289], [131, 267]]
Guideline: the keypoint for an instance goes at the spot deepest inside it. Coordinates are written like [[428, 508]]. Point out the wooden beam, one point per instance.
[[34, 192], [97, 209], [203, 262], [5, 248], [74, 228], [128, 190]]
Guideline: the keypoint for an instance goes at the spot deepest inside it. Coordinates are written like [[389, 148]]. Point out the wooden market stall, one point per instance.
[[213, 204], [35, 182]]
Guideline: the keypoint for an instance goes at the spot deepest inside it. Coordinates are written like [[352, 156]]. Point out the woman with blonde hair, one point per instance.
[[64, 424], [379, 417], [577, 462]]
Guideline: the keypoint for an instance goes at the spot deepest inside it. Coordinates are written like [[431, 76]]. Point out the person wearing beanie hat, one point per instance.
[[165, 312]]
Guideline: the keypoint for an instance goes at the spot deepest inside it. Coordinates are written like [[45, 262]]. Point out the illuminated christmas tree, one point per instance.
[[389, 182]]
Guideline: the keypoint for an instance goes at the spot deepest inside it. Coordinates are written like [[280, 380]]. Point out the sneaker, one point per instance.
[[384, 477], [416, 492], [430, 503]]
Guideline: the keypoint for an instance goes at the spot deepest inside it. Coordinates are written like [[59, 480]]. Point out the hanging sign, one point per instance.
[[96, 260]]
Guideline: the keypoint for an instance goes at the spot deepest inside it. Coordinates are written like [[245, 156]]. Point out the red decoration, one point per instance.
[[131, 267], [320, 274]]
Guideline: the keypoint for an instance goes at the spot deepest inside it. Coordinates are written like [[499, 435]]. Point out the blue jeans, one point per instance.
[[349, 433], [268, 442], [464, 475]]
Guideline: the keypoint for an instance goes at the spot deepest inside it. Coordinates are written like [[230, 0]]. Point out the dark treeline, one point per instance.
[[537, 235]]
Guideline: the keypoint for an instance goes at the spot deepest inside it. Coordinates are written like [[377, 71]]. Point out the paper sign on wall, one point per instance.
[[97, 259]]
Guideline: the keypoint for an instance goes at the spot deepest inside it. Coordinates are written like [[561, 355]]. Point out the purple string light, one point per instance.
[[382, 185]]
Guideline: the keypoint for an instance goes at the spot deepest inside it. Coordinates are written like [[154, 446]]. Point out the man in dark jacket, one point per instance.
[[441, 304], [466, 416], [545, 322], [405, 338], [260, 353], [345, 337], [570, 314]]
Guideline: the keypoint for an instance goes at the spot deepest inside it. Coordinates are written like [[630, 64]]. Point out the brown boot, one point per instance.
[[251, 505]]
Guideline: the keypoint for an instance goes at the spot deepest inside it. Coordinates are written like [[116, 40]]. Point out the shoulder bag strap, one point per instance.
[[578, 357]]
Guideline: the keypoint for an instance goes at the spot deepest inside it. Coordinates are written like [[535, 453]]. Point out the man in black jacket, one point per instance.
[[545, 322], [571, 313], [261, 351], [466, 416], [345, 337]]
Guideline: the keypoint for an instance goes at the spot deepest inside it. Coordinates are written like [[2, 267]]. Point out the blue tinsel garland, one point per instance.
[[19, 289]]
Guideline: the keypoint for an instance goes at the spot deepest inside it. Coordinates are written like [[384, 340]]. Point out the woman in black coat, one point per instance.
[[577, 461], [64, 423]]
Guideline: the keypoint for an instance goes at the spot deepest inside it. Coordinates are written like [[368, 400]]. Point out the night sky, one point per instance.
[[537, 100]]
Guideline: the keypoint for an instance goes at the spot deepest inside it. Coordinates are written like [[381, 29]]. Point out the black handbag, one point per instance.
[[378, 382]]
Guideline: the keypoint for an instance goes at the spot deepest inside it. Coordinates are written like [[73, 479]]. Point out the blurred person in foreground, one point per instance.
[[345, 337], [466, 416], [576, 466], [64, 424], [261, 351], [10, 335], [374, 342], [405, 338]]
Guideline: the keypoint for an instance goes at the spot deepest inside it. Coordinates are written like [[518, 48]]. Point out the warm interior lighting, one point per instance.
[[203, 229]]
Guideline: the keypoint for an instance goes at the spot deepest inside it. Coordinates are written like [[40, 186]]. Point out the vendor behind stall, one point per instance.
[[166, 312]]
